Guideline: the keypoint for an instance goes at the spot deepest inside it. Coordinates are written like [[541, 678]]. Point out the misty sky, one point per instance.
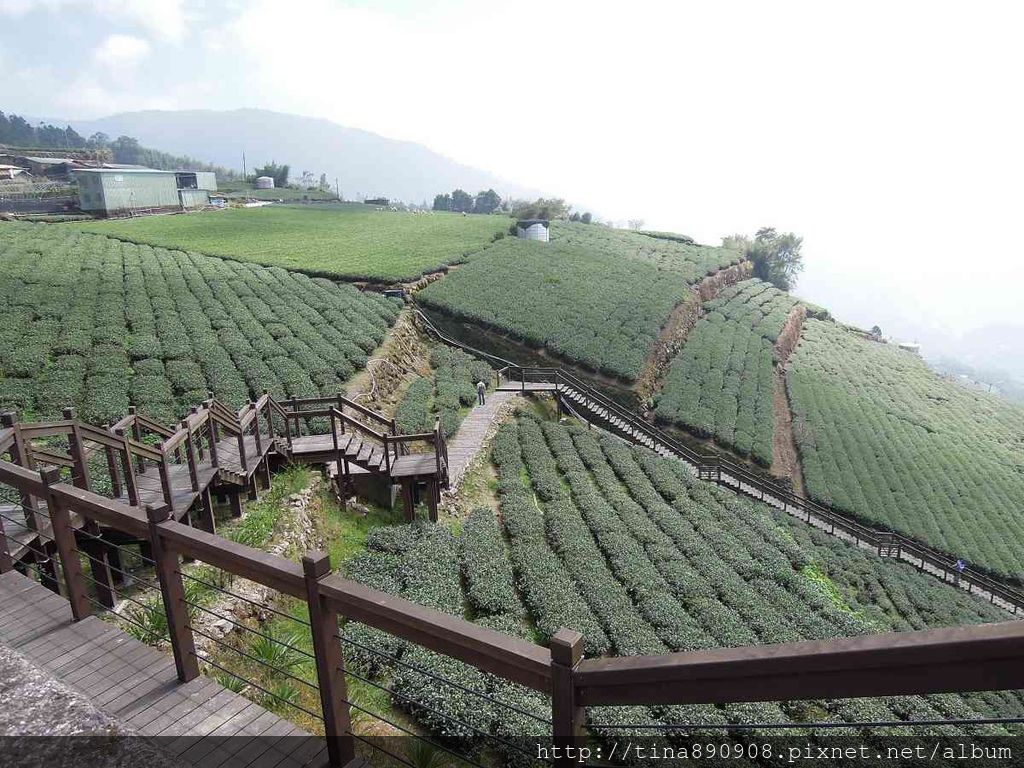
[[888, 134]]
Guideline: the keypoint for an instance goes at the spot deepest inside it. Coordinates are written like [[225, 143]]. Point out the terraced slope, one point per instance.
[[99, 324], [640, 557], [883, 437], [594, 295], [720, 383]]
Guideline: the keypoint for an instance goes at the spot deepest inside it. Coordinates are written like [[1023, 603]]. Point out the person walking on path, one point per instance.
[[480, 389]]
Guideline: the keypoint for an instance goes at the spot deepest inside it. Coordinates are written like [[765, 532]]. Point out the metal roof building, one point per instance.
[[112, 190]]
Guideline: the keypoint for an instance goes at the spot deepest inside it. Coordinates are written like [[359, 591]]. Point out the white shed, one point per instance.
[[533, 229], [264, 182]]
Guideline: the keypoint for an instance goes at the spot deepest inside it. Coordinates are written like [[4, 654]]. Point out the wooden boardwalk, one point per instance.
[[469, 440], [200, 722]]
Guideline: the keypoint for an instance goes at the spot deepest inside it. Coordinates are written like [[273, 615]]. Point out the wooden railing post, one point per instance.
[[137, 434], [241, 452], [168, 570], [77, 450], [190, 455], [269, 405], [64, 539], [112, 468], [22, 456], [164, 470], [330, 664], [129, 469], [256, 436], [6, 561], [567, 716]]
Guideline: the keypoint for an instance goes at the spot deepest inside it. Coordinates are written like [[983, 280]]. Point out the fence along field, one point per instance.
[[596, 296], [720, 383], [99, 324], [883, 437], [633, 552], [348, 241]]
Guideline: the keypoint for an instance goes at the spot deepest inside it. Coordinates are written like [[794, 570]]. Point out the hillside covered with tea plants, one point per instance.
[[885, 438], [720, 383], [632, 551], [593, 295], [346, 241], [100, 324]]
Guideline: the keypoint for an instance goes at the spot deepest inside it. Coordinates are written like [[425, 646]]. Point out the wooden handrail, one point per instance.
[[507, 656], [951, 659]]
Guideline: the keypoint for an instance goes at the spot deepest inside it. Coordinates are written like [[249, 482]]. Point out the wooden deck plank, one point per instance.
[[135, 683]]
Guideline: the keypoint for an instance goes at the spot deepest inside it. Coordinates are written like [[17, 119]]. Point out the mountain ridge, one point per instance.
[[365, 163]]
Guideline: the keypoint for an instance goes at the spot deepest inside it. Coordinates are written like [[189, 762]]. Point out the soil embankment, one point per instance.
[[402, 357], [785, 456], [682, 320]]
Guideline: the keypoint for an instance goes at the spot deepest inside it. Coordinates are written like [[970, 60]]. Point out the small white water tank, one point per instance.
[[264, 182], [533, 229]]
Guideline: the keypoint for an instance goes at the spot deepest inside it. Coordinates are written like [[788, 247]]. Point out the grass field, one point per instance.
[[345, 241], [884, 437], [594, 295], [640, 557], [99, 324], [720, 383]]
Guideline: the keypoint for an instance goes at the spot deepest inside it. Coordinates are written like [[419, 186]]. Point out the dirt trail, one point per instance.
[[785, 456], [682, 320]]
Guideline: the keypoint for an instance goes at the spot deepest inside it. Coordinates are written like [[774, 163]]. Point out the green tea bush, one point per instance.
[[720, 383], [490, 585], [884, 438], [594, 295], [99, 324]]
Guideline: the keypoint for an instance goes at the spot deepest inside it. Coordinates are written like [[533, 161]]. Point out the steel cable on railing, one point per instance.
[[257, 686], [294, 648], [465, 758], [439, 713], [255, 659], [226, 591], [432, 676], [120, 547], [135, 579], [382, 750]]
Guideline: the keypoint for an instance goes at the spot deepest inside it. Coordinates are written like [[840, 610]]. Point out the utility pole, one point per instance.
[[243, 165], [337, 189]]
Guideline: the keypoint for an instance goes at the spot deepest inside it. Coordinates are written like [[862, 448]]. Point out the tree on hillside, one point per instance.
[[586, 218], [876, 331], [636, 224], [462, 201], [442, 202], [777, 259], [740, 243], [486, 202], [541, 208]]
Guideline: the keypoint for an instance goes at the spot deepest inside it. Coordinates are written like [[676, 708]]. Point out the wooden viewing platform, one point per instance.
[[137, 685]]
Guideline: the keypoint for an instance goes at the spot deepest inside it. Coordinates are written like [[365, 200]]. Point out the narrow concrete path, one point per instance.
[[473, 434]]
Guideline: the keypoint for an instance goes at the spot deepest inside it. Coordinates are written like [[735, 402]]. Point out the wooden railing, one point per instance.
[[721, 470], [980, 657]]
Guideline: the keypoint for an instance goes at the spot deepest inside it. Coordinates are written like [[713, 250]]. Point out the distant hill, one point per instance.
[[364, 162]]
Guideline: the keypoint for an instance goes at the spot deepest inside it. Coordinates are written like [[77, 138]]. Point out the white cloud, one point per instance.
[[163, 19], [120, 51]]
